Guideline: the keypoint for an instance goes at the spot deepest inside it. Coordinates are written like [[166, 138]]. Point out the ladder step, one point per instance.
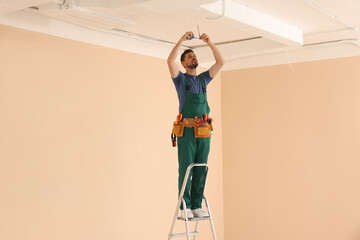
[[175, 235], [194, 219]]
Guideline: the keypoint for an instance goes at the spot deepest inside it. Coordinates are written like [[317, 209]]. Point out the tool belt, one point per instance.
[[201, 129]]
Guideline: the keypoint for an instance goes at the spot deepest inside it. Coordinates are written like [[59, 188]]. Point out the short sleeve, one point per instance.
[[206, 76], [177, 79]]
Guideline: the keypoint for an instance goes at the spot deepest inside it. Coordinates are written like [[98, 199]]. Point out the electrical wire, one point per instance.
[[354, 41]]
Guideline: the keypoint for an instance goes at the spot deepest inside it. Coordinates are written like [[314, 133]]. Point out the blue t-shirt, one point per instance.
[[195, 85]]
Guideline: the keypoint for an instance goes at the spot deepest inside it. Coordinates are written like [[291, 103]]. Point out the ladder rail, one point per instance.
[[211, 221], [174, 221], [186, 220], [182, 200], [188, 173]]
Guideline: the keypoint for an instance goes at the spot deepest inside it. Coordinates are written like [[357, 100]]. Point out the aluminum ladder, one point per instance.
[[181, 199]]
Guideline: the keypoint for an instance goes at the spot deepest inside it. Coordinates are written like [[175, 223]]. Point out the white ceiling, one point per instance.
[[250, 33]]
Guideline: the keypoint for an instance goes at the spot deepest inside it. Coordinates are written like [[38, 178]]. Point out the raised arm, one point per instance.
[[173, 68], [219, 59]]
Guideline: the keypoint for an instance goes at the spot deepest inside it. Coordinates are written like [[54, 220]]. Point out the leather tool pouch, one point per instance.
[[178, 129], [202, 130]]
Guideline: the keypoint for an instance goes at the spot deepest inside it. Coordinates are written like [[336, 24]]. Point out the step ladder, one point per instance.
[[182, 200]]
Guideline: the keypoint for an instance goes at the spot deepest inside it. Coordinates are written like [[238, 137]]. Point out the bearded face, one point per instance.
[[193, 65], [190, 61]]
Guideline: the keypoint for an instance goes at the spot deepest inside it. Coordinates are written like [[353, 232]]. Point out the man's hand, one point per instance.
[[187, 36], [205, 38], [219, 59], [173, 68]]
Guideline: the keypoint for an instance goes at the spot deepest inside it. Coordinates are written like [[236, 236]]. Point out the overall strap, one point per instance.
[[203, 84], [187, 84]]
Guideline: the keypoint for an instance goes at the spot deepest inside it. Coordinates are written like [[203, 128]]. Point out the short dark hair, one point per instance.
[[182, 58]]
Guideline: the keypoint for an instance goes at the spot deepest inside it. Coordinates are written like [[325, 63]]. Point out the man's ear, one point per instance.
[[183, 64]]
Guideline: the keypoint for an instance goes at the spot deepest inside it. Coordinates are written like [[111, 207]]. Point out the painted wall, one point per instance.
[[85, 150], [291, 143], [85, 147]]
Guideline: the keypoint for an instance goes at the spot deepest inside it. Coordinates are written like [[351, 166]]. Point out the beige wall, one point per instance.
[[85, 150], [78, 159], [291, 143]]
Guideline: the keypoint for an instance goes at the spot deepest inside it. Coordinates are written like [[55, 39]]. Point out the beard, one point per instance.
[[192, 66]]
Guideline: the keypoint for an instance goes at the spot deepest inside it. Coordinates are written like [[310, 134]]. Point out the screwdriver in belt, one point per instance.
[[178, 118]]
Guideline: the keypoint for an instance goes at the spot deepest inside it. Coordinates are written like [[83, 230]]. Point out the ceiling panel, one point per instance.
[[306, 17], [164, 22]]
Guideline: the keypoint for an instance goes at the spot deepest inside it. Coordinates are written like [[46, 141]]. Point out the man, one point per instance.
[[191, 90]]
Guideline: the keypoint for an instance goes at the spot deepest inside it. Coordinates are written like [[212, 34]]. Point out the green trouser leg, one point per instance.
[[192, 150]]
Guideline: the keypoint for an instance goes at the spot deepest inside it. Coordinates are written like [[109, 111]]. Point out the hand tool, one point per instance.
[[196, 119], [173, 139]]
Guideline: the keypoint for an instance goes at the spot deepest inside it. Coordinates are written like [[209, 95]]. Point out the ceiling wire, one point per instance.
[[197, 19], [288, 59], [141, 37], [227, 42], [354, 41]]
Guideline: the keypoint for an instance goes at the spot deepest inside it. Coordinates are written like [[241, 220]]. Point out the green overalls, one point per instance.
[[193, 150]]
